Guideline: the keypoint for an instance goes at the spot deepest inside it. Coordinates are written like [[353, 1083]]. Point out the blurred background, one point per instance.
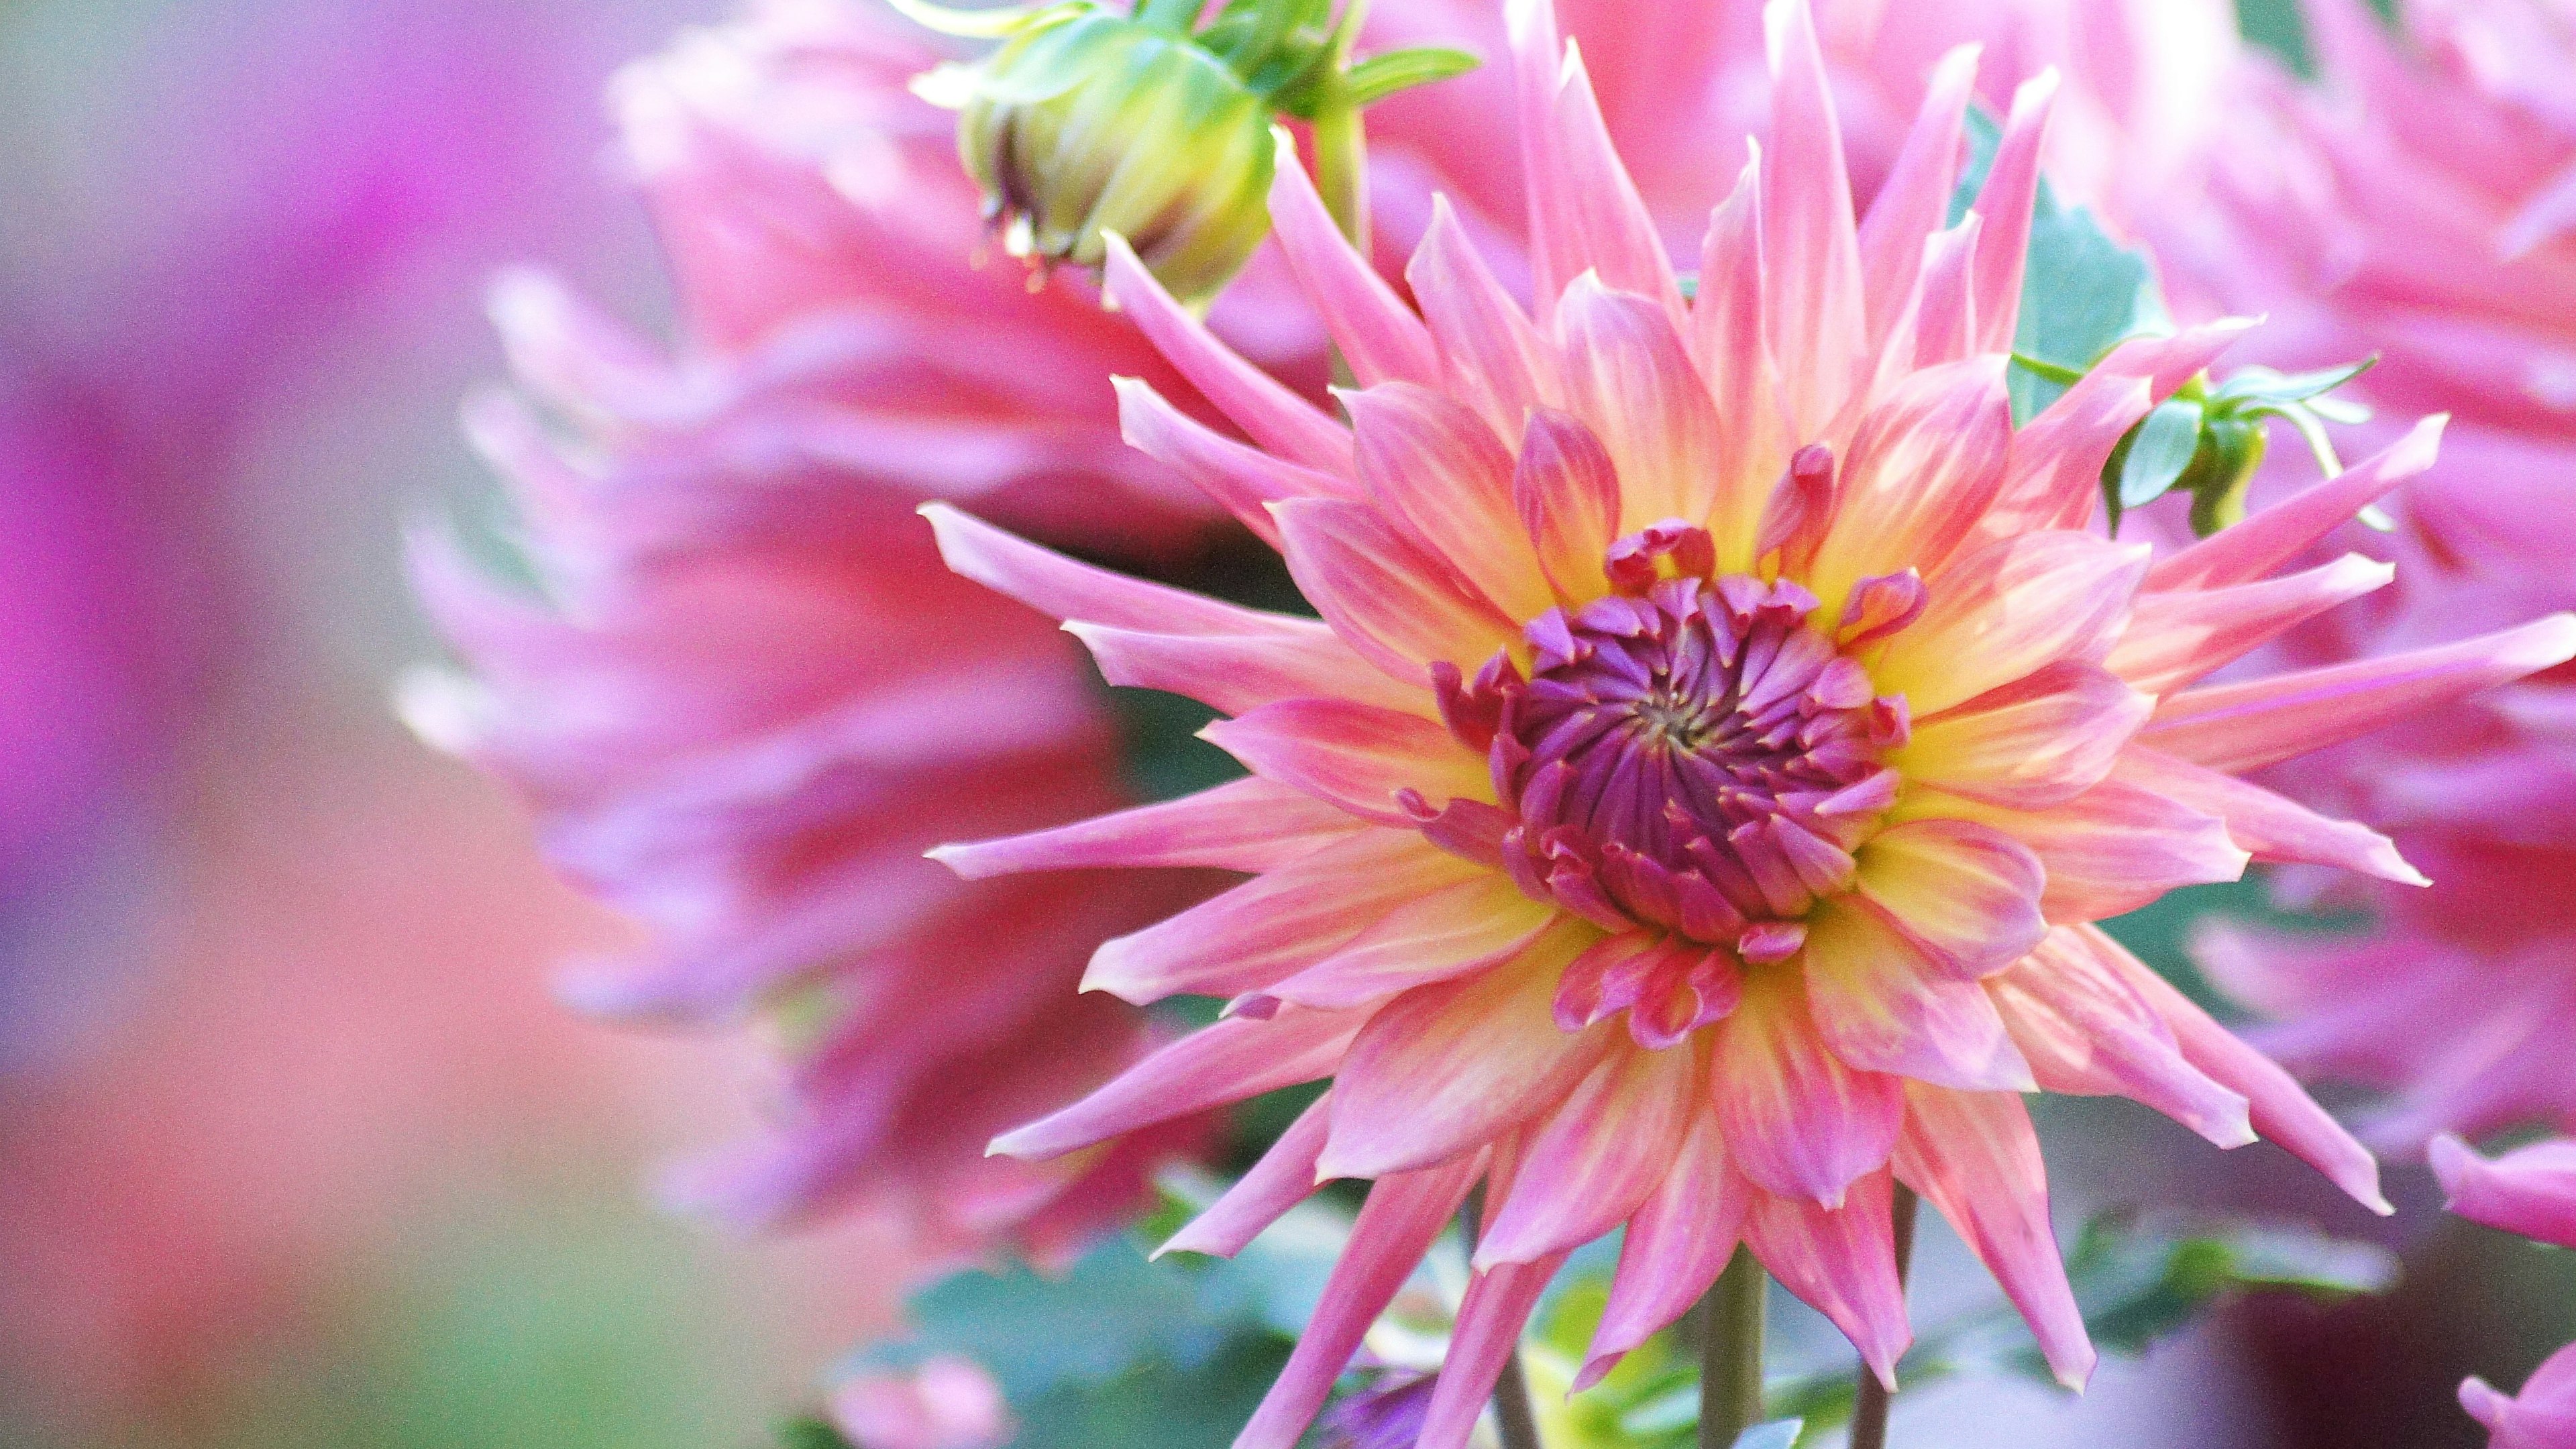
[[295, 1148]]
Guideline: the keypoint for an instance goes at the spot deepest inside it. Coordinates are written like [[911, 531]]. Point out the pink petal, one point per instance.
[[2281, 1110], [1842, 1261], [2542, 1417], [1967, 894], [1939, 322], [1925, 462], [1615, 233], [1273, 416], [1567, 493], [2530, 1190], [1436, 470], [1914, 201], [1466, 927], [2011, 191], [1629, 379], [2038, 742], [1052, 584], [1881, 1004], [1538, 64], [1283, 1178], [1676, 1245], [1490, 1319], [2267, 826], [1210, 1067], [2270, 538], [1379, 336], [1798, 1122], [1397, 605], [2176, 638], [1356, 756], [1405, 1214], [2236, 727], [1246, 825], [2110, 850], [2006, 610], [1446, 1068], [2086, 1032], [1819, 329], [1273, 926], [1593, 1163], [1975, 1157], [1731, 340], [1244, 479], [1239, 673], [1490, 353]]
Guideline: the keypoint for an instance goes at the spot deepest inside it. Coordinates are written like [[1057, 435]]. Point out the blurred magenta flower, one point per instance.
[[2421, 202], [2543, 1416], [2532, 1191], [1722, 730]]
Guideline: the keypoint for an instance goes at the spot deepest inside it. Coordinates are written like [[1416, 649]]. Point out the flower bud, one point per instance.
[[1085, 123]]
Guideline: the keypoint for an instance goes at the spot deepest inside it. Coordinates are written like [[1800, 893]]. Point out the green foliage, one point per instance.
[[1168, 1353]]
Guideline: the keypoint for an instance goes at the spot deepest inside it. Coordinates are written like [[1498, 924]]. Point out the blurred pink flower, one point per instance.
[[2421, 203], [946, 1403]]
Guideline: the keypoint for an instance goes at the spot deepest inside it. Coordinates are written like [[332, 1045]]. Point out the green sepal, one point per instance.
[[2157, 451], [1380, 76]]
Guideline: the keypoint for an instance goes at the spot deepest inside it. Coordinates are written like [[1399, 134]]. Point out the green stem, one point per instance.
[[1730, 1373], [1513, 1413], [1341, 169], [1869, 1406]]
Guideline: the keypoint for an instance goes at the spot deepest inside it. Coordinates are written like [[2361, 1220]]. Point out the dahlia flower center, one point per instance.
[[1694, 755]]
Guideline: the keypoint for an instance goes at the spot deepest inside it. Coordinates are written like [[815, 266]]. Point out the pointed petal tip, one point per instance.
[[2076, 1374]]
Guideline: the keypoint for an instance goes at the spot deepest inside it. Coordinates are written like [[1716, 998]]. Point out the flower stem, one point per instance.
[[1341, 139], [1730, 1375], [1513, 1414], [1869, 1405]]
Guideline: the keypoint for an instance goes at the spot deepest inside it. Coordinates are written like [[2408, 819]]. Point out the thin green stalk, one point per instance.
[[1730, 1372], [1513, 1413], [1869, 1405]]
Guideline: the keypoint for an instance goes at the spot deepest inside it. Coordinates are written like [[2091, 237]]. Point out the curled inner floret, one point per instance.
[[1691, 756]]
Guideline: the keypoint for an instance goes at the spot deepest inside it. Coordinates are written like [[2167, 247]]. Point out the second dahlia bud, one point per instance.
[[1087, 122]]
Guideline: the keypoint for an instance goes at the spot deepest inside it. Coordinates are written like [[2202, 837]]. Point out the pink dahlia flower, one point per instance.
[[1722, 729], [739, 725], [2531, 1191], [2422, 203]]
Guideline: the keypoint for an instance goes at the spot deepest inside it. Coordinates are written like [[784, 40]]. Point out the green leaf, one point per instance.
[[1157, 1406], [2157, 451], [1380, 76], [2263, 384]]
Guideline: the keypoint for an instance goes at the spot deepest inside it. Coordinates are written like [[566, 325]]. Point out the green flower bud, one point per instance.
[[2222, 469], [1087, 122]]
